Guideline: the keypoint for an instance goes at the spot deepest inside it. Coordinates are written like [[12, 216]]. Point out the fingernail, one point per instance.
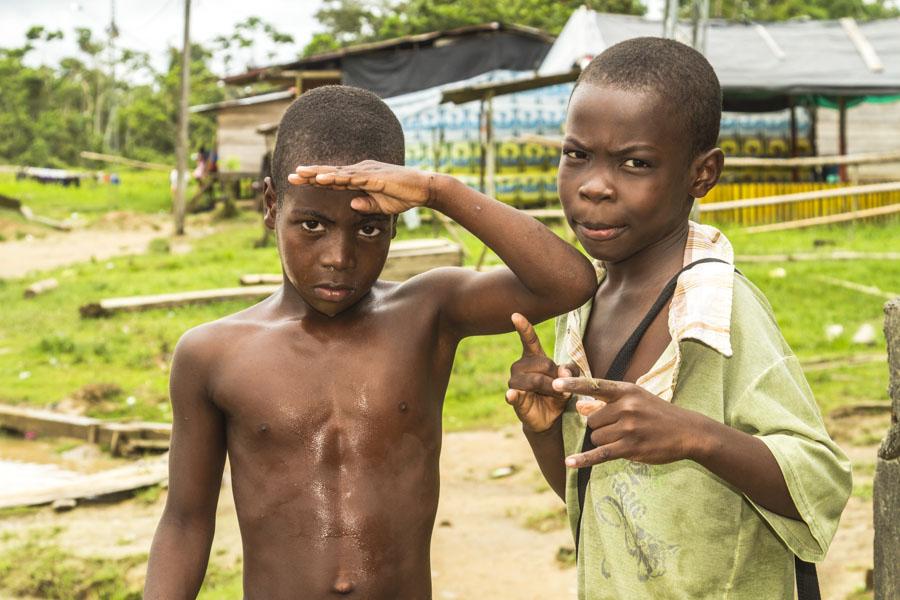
[[571, 462], [559, 385]]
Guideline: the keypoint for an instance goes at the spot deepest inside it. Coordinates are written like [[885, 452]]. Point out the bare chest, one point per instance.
[[611, 324]]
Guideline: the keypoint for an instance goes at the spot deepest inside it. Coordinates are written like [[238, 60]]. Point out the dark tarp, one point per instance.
[[395, 72]]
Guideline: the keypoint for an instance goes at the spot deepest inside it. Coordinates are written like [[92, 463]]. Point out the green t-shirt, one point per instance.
[[677, 530]]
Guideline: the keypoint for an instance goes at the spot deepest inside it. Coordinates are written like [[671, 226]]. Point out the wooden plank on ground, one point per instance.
[[142, 474], [406, 258], [118, 436], [39, 287], [109, 306], [871, 290], [827, 220], [816, 256]]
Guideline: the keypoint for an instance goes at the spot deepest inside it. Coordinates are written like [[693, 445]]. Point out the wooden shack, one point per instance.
[[240, 148]]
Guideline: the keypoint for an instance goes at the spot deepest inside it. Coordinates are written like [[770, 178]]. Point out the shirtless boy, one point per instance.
[[694, 462], [326, 397]]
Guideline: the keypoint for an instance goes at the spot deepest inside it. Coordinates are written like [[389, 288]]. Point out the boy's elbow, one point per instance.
[[583, 284]]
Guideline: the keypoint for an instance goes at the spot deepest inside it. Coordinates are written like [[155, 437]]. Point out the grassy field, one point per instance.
[[118, 366], [139, 191]]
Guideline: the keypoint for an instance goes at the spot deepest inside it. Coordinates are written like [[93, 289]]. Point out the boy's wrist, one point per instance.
[[701, 440], [439, 189]]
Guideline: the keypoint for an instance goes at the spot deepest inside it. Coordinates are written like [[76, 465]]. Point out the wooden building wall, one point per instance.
[[240, 147], [871, 127]]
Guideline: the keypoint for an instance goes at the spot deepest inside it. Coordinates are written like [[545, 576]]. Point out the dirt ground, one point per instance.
[[482, 547], [115, 234]]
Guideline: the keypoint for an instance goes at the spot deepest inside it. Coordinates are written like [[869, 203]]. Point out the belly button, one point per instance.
[[343, 587], [403, 407], [263, 428]]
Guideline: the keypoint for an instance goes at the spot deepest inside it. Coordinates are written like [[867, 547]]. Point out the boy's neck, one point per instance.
[[655, 263]]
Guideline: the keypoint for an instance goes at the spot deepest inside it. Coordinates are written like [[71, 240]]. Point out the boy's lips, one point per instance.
[[332, 293], [600, 231]]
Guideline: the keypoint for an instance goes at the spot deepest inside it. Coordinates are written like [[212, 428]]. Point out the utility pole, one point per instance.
[[109, 137], [181, 144]]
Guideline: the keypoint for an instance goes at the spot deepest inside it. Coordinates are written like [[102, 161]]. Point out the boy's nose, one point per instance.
[[596, 188], [340, 255]]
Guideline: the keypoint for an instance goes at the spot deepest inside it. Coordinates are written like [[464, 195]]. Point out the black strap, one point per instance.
[[807, 581]]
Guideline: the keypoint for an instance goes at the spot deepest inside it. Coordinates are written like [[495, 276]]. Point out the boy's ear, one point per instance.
[[271, 201], [707, 169]]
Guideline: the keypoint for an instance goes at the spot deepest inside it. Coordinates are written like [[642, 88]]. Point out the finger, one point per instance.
[[587, 406], [534, 382], [313, 170], [604, 389], [299, 180], [514, 397], [604, 416], [607, 435], [531, 344], [365, 204], [596, 456], [570, 370]]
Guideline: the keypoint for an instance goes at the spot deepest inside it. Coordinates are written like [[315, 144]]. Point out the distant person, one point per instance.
[[327, 396], [673, 419]]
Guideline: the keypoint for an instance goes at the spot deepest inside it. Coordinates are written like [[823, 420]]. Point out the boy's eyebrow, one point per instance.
[[308, 212], [633, 148]]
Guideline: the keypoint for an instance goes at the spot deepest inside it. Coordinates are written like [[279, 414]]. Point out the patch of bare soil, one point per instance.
[[114, 234], [495, 537]]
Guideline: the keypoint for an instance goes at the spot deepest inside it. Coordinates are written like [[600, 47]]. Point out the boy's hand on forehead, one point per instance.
[[389, 189], [530, 392], [627, 421]]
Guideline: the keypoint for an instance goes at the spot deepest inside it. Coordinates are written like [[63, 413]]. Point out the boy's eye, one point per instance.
[[369, 231], [313, 226], [574, 154], [637, 163]]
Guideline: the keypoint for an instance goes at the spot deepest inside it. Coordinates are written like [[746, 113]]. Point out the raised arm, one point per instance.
[[180, 550], [546, 275]]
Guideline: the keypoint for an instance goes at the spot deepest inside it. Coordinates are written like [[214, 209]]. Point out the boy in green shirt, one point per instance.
[[698, 466]]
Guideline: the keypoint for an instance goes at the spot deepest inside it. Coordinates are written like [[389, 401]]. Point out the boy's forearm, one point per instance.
[[744, 461], [549, 453], [178, 561], [533, 252]]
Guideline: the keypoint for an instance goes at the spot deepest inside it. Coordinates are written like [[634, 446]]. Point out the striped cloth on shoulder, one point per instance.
[[700, 310]]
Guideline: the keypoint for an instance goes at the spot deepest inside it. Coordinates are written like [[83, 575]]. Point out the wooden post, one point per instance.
[[183, 116], [842, 134], [794, 171], [886, 492]]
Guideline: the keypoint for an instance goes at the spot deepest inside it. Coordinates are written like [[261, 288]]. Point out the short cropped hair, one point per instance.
[[678, 74], [335, 125]]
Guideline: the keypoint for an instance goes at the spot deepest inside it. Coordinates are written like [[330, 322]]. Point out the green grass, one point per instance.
[[37, 567], [139, 191], [47, 352]]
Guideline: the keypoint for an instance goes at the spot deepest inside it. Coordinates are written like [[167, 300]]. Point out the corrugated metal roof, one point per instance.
[[248, 101], [789, 57]]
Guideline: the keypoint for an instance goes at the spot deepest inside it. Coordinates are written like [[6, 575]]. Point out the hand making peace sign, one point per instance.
[[530, 392], [629, 422]]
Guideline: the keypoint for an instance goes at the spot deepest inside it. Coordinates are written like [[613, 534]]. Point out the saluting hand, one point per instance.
[[530, 392], [627, 421], [389, 189]]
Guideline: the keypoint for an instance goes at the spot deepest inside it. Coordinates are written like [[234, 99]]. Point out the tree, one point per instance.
[[349, 22], [356, 21]]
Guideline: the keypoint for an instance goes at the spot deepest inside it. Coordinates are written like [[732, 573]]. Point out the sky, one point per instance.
[[154, 25]]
